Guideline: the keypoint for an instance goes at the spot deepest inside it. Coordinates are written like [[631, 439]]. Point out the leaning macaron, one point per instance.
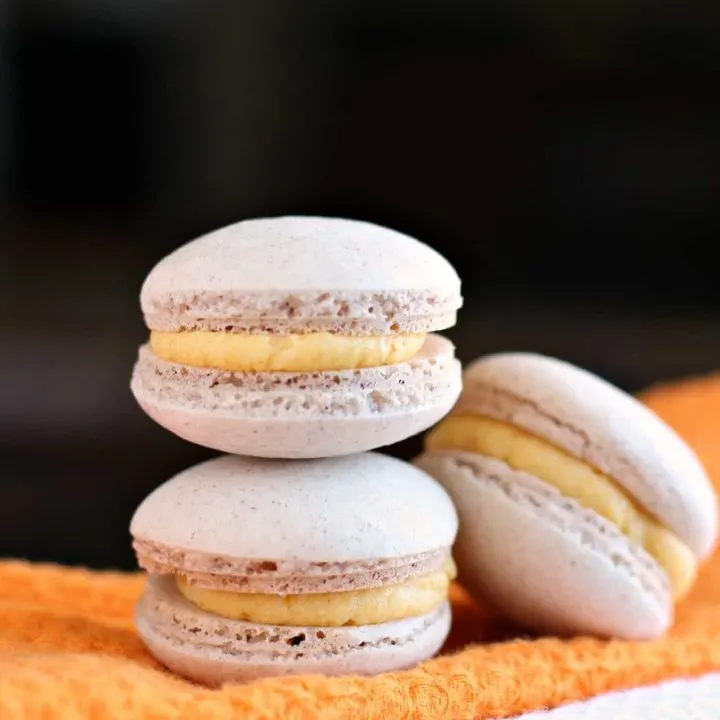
[[272, 567], [299, 337], [581, 511]]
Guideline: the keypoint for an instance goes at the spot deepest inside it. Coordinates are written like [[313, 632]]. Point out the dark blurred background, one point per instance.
[[566, 156]]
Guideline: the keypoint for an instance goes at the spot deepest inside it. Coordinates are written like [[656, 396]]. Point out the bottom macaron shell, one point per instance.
[[286, 415], [544, 561], [213, 650]]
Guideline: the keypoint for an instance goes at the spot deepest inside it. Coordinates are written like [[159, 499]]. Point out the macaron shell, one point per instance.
[[282, 272], [329, 511], [289, 415], [214, 650], [544, 561], [597, 422]]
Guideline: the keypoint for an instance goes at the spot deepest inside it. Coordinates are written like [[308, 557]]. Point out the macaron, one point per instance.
[[581, 511], [263, 567], [299, 337]]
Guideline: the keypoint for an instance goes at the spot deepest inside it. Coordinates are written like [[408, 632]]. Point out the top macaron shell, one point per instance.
[[335, 509], [293, 526], [285, 273], [600, 424]]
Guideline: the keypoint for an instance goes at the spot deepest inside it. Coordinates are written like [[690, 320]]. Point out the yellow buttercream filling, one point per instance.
[[333, 609], [311, 352], [574, 479]]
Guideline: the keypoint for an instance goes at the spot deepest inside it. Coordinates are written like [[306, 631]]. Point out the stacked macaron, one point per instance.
[[272, 567], [299, 337], [299, 345]]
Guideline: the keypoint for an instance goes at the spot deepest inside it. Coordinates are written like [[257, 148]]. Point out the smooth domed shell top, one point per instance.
[[357, 507], [595, 421], [290, 268], [297, 254]]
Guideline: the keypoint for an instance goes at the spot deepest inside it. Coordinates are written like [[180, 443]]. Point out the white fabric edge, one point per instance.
[[688, 699]]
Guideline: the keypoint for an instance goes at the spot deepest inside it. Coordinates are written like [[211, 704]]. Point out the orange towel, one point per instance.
[[68, 649]]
